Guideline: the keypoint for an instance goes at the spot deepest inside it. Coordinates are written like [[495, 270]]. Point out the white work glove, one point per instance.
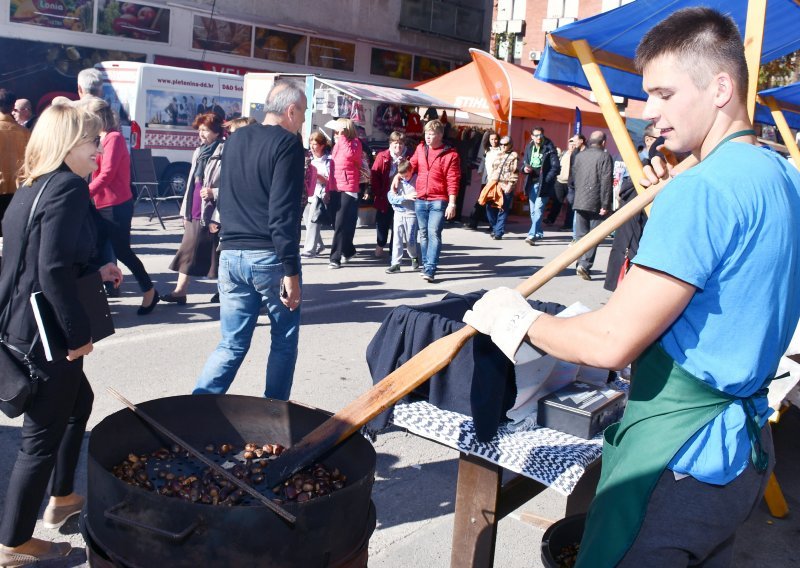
[[505, 316]]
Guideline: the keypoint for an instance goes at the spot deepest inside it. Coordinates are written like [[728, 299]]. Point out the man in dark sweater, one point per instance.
[[592, 176], [261, 185]]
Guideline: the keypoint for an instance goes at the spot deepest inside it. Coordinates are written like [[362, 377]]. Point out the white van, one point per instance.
[[157, 105]]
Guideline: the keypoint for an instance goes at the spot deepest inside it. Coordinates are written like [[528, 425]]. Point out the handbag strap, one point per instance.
[[18, 270]]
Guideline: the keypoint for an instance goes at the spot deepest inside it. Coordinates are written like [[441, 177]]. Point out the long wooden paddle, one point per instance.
[[438, 354]]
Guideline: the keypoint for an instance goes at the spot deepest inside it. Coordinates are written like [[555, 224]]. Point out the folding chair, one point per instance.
[[145, 181]]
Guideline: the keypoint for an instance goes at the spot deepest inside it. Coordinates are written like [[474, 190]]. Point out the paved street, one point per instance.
[[161, 354]]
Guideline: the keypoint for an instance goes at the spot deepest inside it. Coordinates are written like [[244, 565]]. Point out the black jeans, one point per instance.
[[586, 221], [117, 219], [52, 432], [344, 210], [5, 201], [383, 225]]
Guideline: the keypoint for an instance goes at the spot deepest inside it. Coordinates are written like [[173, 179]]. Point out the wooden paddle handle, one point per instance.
[[441, 352]]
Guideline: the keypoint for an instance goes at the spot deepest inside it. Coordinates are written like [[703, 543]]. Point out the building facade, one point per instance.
[[520, 27]]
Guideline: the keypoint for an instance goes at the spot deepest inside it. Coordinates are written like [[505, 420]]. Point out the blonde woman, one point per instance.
[[62, 151], [110, 190], [343, 206]]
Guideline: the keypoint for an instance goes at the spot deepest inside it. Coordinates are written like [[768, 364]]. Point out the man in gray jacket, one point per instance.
[[591, 176]]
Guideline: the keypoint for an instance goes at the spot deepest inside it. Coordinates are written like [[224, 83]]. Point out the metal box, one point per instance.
[[581, 410]]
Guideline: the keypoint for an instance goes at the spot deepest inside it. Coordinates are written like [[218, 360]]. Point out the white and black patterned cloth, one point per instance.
[[548, 456]]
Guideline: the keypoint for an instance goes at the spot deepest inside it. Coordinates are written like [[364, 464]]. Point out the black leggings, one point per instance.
[[52, 432], [344, 209], [117, 220]]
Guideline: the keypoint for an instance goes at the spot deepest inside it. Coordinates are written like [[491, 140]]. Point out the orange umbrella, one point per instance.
[[532, 98]]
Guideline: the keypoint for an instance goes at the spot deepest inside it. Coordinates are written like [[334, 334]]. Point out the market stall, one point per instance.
[[784, 108], [598, 52]]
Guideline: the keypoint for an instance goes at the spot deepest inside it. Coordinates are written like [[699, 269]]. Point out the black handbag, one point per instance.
[[19, 377]]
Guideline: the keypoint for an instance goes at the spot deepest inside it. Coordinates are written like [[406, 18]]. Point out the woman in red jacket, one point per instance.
[[343, 206], [383, 171], [110, 190]]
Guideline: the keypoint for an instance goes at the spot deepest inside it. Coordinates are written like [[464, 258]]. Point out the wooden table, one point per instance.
[[482, 495]]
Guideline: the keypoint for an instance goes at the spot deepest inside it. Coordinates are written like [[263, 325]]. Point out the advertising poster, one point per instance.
[[171, 108], [427, 68], [332, 54], [39, 71], [136, 21], [390, 63], [221, 36], [280, 46], [74, 15]]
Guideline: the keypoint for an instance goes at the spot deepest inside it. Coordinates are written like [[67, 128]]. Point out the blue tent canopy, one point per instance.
[[619, 31], [789, 96]]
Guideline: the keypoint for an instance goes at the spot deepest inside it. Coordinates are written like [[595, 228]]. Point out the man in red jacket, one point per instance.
[[438, 171]]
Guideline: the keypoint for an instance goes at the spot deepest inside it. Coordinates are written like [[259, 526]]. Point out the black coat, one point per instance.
[[626, 238], [59, 251], [547, 174], [480, 381]]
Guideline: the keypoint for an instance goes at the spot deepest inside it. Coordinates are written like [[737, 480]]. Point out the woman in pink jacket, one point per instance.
[[110, 190], [343, 206]]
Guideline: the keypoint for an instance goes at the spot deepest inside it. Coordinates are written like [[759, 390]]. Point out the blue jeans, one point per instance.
[[430, 218], [497, 217], [246, 277], [537, 205]]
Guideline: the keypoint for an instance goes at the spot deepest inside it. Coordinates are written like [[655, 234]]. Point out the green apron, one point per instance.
[[666, 407]]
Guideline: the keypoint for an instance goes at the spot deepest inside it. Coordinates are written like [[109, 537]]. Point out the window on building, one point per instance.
[[390, 63], [74, 15], [427, 68], [446, 18], [280, 46], [136, 21], [331, 54], [223, 36]]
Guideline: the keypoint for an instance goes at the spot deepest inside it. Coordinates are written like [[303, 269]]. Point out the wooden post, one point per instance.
[[610, 112], [753, 40], [783, 127]]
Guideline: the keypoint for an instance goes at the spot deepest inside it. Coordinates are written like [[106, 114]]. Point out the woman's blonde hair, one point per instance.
[[60, 128], [101, 109], [347, 127], [236, 123]]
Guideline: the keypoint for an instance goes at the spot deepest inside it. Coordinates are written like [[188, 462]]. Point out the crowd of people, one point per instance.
[[67, 208]]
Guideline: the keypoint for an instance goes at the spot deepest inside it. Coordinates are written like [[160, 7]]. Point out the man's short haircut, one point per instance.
[[403, 166], [703, 41], [281, 96], [91, 81], [535, 128], [24, 104], [7, 100], [435, 126], [397, 137], [597, 138]]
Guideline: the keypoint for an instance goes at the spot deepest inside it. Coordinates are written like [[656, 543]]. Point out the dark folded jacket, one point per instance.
[[479, 382]]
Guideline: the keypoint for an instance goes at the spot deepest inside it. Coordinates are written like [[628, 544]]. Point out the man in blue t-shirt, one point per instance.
[[705, 314]]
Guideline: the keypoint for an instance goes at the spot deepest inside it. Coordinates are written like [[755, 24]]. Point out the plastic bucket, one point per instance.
[[561, 534]]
